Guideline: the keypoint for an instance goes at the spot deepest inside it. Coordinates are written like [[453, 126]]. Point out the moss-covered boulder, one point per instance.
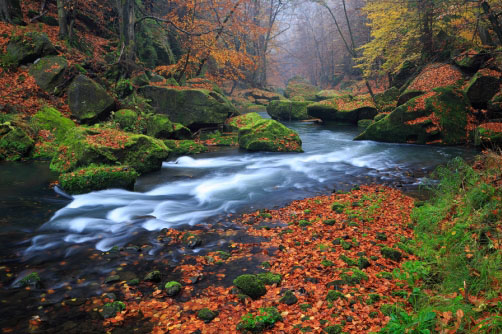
[[288, 110], [185, 147], [250, 285], [85, 146], [433, 76], [49, 73], [438, 117], [110, 310], [269, 135], [173, 288], [50, 119], [483, 86], [93, 178], [364, 123], [327, 95], [301, 87], [346, 108], [89, 101], [234, 124], [259, 96], [471, 60], [193, 108], [207, 315], [489, 135], [387, 100], [15, 143], [29, 47], [128, 120], [160, 126]]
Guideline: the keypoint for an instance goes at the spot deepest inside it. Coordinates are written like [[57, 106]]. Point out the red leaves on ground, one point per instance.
[[434, 76]]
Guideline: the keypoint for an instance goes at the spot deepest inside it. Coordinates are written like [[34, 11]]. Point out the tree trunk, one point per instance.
[[127, 31], [64, 28], [493, 20], [10, 11]]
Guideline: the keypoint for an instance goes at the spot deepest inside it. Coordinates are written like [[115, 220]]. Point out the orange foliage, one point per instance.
[[434, 76]]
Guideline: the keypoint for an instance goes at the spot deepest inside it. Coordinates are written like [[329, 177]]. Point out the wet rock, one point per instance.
[[300, 89], [250, 285], [15, 143], [285, 110], [133, 282], [112, 279], [346, 108], [207, 315], [269, 135], [288, 298], [173, 288], [109, 310], [191, 240], [88, 101], [153, 276], [31, 280]]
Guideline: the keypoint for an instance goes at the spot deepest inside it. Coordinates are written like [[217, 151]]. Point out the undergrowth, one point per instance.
[[456, 287]]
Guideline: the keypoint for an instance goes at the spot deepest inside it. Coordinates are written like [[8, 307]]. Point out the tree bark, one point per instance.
[[10, 11], [493, 20], [127, 31]]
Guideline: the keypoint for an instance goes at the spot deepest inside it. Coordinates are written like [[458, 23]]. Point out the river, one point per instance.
[[42, 231]]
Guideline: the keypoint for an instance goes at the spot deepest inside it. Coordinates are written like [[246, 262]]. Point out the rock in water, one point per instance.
[[89, 102], [269, 135], [438, 117], [14, 142], [288, 110]]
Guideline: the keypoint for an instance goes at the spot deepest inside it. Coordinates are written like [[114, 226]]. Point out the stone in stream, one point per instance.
[[15, 143], [31, 280], [286, 110], [153, 276], [173, 288], [109, 310], [191, 240], [112, 279]]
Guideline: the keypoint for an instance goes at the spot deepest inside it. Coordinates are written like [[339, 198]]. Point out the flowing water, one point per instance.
[[44, 231]]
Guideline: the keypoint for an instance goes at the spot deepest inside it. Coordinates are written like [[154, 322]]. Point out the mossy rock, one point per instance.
[[85, 146], [471, 60], [206, 315], [438, 117], [334, 295], [251, 285], [327, 95], [50, 119], [387, 100], [110, 310], [346, 108], [153, 276], [264, 319], [185, 147], [489, 135], [269, 278], [128, 120], [483, 86], [288, 298], [234, 124], [364, 123], [31, 280], [288, 110], [29, 47], [269, 135], [15, 143], [391, 254], [336, 329], [49, 73], [302, 88], [93, 178], [160, 126], [88, 101], [403, 74], [356, 277], [172, 288], [193, 108], [216, 138]]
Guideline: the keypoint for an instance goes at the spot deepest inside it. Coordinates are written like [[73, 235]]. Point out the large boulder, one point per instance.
[[29, 47], [387, 100], [483, 86], [437, 117], [346, 108], [89, 101], [194, 108], [269, 135], [49, 73], [433, 76], [50, 119], [160, 126], [260, 96], [288, 110], [84, 146], [326, 95], [14, 142], [471, 60], [403, 74], [236, 123], [299, 88]]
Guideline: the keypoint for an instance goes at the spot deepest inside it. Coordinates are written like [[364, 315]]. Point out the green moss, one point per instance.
[[329, 222], [109, 310], [350, 262], [14, 142], [373, 298], [264, 319], [334, 295], [250, 285], [364, 123], [269, 278], [94, 178], [288, 298], [49, 73], [85, 146], [234, 124], [217, 138], [129, 120], [336, 329], [269, 135], [30, 280], [327, 263], [288, 110], [337, 207], [388, 309], [207, 315], [300, 88], [160, 126], [356, 277], [391, 253], [52, 120]]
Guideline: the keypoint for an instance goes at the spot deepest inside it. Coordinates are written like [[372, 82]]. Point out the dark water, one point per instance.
[[57, 237]]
